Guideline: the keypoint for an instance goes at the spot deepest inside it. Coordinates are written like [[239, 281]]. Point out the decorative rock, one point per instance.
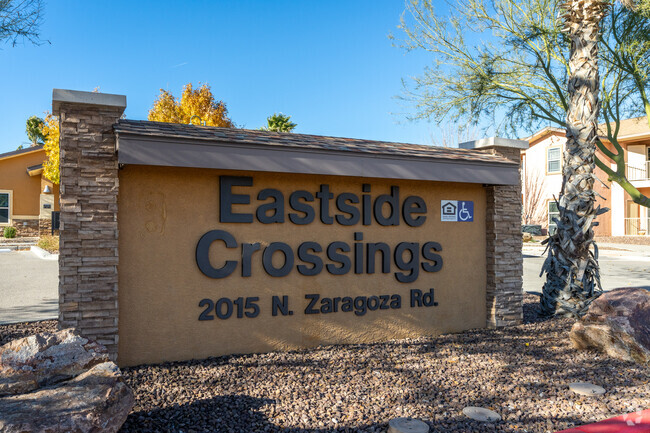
[[97, 400], [61, 383], [407, 425], [45, 359], [617, 323], [584, 388], [526, 237], [481, 414]]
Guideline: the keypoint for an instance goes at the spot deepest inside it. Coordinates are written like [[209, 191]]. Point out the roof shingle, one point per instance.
[[21, 151], [286, 139]]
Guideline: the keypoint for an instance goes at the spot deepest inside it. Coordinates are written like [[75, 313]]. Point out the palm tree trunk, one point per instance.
[[572, 274]]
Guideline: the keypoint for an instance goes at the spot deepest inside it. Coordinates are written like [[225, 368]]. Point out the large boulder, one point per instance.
[[45, 359], [60, 382], [617, 323]]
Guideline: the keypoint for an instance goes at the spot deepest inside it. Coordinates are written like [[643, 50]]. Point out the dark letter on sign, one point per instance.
[[412, 265], [333, 254], [429, 254], [343, 206], [301, 207], [414, 205], [276, 207], [267, 259], [227, 199], [393, 203], [203, 254], [307, 257]]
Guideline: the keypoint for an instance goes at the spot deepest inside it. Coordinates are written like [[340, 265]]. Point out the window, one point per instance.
[[4, 208], [553, 212], [553, 155]]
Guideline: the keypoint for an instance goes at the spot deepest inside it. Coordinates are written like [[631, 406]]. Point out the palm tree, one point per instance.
[[279, 123], [572, 273]]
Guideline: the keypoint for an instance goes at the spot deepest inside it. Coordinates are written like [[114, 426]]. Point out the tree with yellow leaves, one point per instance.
[[194, 102], [51, 132]]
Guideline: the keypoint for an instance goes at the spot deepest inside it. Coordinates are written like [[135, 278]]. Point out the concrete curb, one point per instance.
[[42, 254]]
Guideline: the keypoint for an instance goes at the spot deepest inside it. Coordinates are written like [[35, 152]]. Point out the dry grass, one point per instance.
[[49, 243]]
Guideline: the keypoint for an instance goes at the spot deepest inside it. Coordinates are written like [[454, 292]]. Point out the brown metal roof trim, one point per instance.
[[176, 145]]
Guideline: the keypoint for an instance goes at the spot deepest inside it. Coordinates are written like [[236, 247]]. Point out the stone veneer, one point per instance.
[[504, 256], [88, 200], [25, 227], [44, 226]]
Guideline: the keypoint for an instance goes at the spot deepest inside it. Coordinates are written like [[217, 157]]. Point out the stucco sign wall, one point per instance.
[[264, 262]]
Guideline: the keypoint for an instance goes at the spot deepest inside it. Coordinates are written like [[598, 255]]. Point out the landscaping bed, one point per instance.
[[520, 372], [49, 244], [25, 240]]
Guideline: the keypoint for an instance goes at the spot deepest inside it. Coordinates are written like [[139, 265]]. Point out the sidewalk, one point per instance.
[[16, 243], [605, 250]]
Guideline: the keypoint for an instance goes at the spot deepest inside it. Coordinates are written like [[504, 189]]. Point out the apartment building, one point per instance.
[[28, 200], [542, 179]]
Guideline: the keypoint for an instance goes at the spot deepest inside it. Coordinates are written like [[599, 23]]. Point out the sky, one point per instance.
[[328, 64]]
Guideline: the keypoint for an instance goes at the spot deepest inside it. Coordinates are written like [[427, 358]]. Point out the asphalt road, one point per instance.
[[28, 287], [620, 266]]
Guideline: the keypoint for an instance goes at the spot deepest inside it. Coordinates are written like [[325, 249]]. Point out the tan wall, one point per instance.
[[55, 192], [163, 212], [26, 188], [604, 197]]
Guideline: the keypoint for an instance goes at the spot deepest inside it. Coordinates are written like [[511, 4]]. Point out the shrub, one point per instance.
[[49, 243], [9, 232]]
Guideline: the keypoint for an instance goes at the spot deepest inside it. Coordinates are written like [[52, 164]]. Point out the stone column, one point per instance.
[[504, 294], [88, 199]]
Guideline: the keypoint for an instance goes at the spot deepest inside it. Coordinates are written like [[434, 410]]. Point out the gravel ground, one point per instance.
[[15, 331], [520, 372]]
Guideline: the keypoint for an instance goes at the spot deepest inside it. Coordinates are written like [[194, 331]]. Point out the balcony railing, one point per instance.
[[638, 171], [637, 226]]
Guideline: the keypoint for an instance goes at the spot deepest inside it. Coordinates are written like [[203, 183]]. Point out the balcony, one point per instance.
[[637, 226], [638, 171]]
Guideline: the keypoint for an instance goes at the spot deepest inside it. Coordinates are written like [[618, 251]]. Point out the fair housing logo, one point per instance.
[[456, 210]]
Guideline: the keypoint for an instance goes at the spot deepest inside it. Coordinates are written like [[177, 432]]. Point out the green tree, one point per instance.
[[514, 76], [625, 59], [34, 130], [279, 122], [20, 20]]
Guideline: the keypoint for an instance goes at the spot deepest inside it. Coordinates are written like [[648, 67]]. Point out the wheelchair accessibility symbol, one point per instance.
[[457, 210]]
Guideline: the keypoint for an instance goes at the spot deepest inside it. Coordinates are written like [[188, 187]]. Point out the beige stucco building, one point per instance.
[[542, 177], [27, 199]]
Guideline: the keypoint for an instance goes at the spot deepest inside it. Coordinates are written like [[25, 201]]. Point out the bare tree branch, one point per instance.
[[20, 20], [534, 203]]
